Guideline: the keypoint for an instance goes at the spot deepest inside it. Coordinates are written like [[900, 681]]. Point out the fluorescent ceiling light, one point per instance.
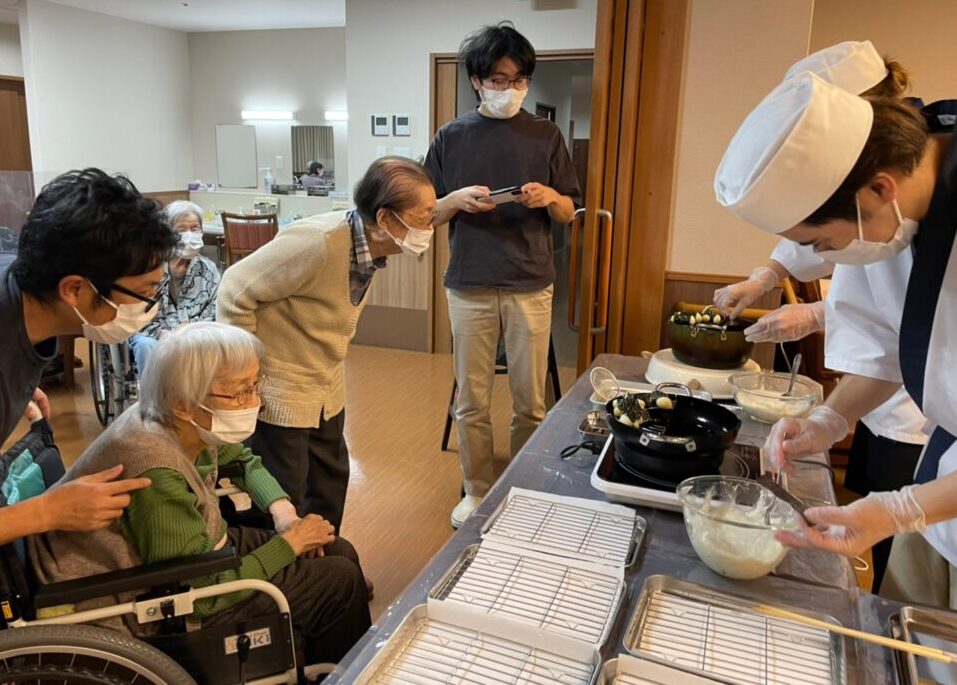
[[267, 115], [336, 116]]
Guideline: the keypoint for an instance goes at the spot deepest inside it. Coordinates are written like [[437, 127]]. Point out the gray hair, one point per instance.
[[178, 208], [184, 365]]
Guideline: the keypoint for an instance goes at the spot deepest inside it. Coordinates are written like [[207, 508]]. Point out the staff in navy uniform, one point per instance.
[[857, 179]]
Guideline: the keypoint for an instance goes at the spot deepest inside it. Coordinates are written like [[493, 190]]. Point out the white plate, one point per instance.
[[635, 386]]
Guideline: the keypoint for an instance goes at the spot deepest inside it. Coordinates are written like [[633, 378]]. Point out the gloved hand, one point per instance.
[[733, 299], [793, 438], [852, 529], [787, 323]]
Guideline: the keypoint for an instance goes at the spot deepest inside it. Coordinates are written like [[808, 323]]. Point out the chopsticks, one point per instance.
[[890, 643]]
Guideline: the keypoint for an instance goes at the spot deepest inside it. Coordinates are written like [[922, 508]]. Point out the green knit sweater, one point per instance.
[[163, 522]]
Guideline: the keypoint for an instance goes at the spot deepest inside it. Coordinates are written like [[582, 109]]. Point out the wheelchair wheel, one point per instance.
[[100, 381], [83, 655], [122, 378]]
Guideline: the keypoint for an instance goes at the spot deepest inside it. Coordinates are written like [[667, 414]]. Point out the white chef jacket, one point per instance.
[[801, 261], [861, 336]]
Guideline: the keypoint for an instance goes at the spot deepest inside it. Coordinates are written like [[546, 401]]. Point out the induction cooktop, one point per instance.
[[623, 484]]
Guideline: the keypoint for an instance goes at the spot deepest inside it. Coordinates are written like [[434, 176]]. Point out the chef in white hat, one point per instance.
[[887, 441], [855, 179], [856, 67]]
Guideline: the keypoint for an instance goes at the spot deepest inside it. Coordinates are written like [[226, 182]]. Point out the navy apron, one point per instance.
[[929, 378]]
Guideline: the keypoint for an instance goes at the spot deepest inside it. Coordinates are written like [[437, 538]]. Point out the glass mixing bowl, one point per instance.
[[761, 394], [731, 523]]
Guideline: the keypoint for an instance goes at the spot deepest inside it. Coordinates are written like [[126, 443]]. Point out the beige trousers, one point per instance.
[[480, 317], [917, 573]]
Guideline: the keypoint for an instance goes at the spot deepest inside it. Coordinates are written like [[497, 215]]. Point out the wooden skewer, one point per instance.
[[890, 643]]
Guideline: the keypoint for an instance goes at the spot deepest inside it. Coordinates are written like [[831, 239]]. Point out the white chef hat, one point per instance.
[[792, 152], [852, 65]]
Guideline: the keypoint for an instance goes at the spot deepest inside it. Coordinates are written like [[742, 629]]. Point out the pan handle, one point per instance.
[[680, 386], [689, 444]]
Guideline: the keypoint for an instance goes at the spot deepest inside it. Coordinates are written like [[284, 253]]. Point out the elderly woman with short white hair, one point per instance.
[[188, 291], [199, 400]]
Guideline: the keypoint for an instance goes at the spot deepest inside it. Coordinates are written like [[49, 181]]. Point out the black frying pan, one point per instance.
[[693, 427]]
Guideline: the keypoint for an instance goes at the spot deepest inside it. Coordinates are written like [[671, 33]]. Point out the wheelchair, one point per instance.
[[112, 379], [60, 649]]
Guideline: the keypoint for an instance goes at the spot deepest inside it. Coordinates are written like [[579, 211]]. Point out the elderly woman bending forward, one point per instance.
[[199, 400]]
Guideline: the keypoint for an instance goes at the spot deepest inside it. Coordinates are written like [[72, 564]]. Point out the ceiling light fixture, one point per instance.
[[336, 116]]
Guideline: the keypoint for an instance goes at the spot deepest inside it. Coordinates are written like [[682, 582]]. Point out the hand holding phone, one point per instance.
[[503, 195]]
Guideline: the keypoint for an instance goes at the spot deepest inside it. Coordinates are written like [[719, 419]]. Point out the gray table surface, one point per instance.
[[813, 581]]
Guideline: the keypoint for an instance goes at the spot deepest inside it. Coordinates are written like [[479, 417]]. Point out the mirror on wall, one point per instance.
[[314, 144], [236, 156]]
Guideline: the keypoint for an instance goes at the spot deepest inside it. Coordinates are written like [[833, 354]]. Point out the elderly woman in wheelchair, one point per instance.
[[199, 401], [187, 293]]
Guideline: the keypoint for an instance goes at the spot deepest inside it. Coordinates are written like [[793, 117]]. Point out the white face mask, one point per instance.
[[129, 319], [190, 243], [416, 241], [860, 252], [501, 104], [228, 426]]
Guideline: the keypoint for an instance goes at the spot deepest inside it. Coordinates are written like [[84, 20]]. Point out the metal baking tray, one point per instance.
[[930, 627], [631, 670], [580, 529], [423, 650], [723, 637], [577, 601]]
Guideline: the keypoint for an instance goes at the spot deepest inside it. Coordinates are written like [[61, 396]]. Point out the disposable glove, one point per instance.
[[794, 438], [787, 323], [857, 527], [733, 299]]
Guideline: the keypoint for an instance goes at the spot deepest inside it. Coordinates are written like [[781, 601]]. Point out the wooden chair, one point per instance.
[[246, 233]]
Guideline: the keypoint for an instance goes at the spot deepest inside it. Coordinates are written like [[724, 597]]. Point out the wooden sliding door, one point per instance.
[[625, 223]]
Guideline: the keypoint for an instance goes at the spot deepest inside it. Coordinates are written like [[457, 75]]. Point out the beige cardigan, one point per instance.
[[293, 294]]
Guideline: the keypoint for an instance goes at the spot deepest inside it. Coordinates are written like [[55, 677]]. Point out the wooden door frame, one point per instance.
[[636, 107], [440, 332], [19, 80]]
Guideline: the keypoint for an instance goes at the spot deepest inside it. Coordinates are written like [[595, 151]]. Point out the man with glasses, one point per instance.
[[500, 274], [89, 262]]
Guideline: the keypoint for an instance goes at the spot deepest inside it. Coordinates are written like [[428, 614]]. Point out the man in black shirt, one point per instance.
[[501, 271], [89, 261]]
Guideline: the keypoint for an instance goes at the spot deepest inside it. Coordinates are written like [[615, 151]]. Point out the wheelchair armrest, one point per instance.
[[170, 572]]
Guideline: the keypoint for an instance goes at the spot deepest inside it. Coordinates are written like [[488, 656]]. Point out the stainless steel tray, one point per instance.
[[930, 627], [723, 637], [630, 670], [423, 650], [547, 594], [564, 529]]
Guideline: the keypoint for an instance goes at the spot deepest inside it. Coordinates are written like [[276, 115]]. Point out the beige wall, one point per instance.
[[106, 92], [10, 62], [737, 51], [303, 70], [920, 34]]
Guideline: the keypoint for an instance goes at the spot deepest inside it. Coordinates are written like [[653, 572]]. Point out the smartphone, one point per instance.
[[503, 195]]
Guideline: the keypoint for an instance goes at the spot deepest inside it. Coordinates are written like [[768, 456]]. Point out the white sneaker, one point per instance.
[[464, 509]]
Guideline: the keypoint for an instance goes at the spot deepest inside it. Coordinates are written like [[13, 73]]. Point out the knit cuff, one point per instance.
[[263, 488], [274, 556]]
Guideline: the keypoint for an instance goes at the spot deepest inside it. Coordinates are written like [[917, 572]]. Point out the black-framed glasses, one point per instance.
[[520, 82], [150, 301]]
